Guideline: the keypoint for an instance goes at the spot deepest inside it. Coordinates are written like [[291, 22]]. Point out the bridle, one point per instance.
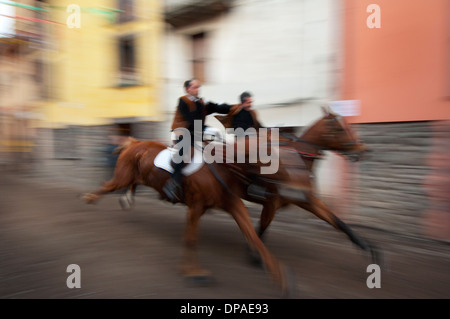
[[308, 155], [319, 154]]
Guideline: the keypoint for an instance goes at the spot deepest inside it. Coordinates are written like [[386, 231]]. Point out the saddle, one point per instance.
[[164, 160]]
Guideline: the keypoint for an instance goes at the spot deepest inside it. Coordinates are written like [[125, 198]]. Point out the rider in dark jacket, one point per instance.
[[190, 108]]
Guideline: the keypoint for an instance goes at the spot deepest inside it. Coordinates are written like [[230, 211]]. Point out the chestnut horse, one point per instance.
[[296, 187], [329, 133], [203, 190]]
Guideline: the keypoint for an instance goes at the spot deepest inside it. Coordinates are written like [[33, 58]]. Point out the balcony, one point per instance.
[[186, 13]]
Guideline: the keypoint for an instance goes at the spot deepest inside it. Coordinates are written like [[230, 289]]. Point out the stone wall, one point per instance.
[[78, 155], [391, 187], [436, 219], [403, 186]]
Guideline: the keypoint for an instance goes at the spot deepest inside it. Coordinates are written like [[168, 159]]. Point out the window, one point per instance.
[[199, 56], [127, 61], [40, 79], [124, 129], [126, 8]]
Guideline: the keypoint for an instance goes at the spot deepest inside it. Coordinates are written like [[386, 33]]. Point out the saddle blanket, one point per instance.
[[164, 161]]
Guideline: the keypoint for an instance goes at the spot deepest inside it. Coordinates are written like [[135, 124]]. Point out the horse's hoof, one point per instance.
[[90, 198], [255, 258], [377, 257], [289, 287], [202, 279], [124, 203]]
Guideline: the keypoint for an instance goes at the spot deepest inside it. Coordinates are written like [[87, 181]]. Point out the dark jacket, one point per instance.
[[188, 111], [240, 117]]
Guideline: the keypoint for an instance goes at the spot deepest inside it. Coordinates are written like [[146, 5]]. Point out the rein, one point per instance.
[[217, 175], [296, 139], [219, 178], [304, 154]]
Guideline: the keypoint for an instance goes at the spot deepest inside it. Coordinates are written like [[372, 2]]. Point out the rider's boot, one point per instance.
[[172, 189]]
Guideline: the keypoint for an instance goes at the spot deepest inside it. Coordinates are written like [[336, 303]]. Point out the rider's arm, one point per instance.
[[222, 108]]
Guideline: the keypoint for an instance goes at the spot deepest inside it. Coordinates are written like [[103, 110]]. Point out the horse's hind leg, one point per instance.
[[126, 201], [322, 211], [190, 266], [123, 177]]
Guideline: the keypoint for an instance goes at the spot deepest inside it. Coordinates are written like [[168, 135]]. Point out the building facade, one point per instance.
[[397, 66], [99, 68], [20, 90], [284, 52]]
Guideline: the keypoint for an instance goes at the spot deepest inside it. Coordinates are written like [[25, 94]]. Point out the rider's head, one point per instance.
[[192, 87], [246, 100]]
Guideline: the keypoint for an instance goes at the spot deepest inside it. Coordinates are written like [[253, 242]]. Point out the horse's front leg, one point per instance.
[[321, 210], [190, 266], [240, 214], [268, 213]]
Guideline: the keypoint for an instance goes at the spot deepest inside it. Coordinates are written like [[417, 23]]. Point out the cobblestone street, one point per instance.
[[135, 254]]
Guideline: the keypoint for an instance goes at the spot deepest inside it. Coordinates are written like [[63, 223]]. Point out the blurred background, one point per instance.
[[77, 76]]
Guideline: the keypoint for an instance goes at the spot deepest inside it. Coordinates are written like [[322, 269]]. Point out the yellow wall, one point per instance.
[[83, 64]]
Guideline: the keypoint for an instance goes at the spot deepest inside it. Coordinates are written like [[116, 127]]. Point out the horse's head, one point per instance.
[[338, 136]]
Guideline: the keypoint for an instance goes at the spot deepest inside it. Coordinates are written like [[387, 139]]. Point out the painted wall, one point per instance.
[[400, 75], [282, 51], [400, 71], [83, 65]]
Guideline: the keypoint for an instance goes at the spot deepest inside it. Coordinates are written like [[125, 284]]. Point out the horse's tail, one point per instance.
[[130, 140], [125, 169]]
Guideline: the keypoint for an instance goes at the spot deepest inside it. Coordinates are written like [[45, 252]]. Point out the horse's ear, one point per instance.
[[330, 111], [326, 110]]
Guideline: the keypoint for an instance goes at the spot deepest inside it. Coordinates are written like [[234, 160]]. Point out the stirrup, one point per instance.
[[172, 189], [257, 191]]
